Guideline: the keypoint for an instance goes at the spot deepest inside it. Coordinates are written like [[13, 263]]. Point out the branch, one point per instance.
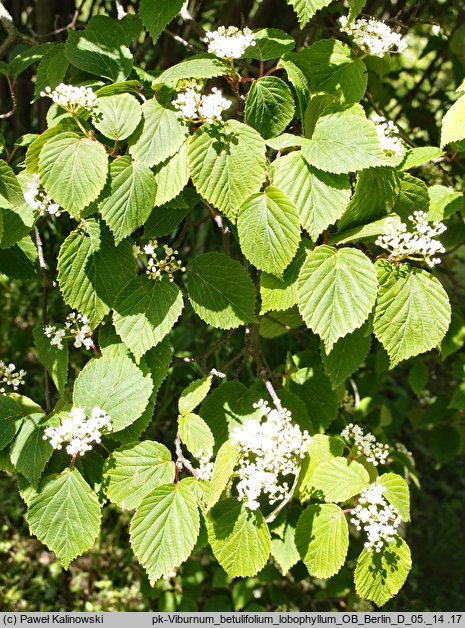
[[181, 461], [262, 370], [13, 35], [46, 284]]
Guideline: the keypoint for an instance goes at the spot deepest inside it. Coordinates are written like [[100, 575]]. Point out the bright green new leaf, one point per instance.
[[73, 170], [269, 107], [306, 9], [239, 538], [412, 313], [13, 409], [117, 386], [269, 43], [171, 177], [379, 575], [131, 197], [227, 164], [322, 539], [347, 355], [157, 15], [132, 472], [453, 123], [420, 155], [396, 491], [35, 148], [336, 291], [54, 359], [29, 451], [413, 196], [225, 462], [220, 291], [196, 435], [117, 116], [339, 479], [269, 230], [320, 449], [145, 311], [160, 136], [165, 528], [194, 394], [201, 66], [286, 140], [65, 515], [320, 197], [283, 550]]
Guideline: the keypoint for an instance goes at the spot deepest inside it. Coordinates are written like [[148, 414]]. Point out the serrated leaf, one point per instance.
[[371, 231], [412, 313], [117, 116], [344, 142], [277, 323], [20, 261], [194, 394], [227, 164], [306, 9], [269, 106], [453, 123], [160, 135], [281, 294], [269, 43], [164, 220], [322, 539], [444, 202], [336, 291], [420, 155], [320, 197], [65, 515], [35, 148], [200, 66], [196, 435], [220, 291], [29, 451], [379, 576], [320, 449], [51, 69], [239, 538], [13, 409], [339, 479], [298, 80], [286, 140], [356, 7], [397, 493], [284, 551], [157, 15], [413, 195], [73, 170], [314, 388], [11, 194], [17, 224], [92, 271], [145, 312], [225, 461], [132, 472], [171, 177], [418, 377], [117, 386], [347, 355], [269, 230], [131, 197], [54, 359], [165, 528]]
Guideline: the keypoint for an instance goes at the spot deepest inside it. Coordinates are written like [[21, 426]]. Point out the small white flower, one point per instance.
[[79, 431], [9, 376], [365, 444], [387, 132], [157, 267], [230, 42], [71, 98], [196, 107], [374, 37], [376, 517], [37, 198]]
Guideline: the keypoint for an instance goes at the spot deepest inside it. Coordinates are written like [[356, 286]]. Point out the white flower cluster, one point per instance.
[[268, 450], [79, 431], [9, 376], [198, 107], [366, 444], [71, 98], [77, 325], [418, 244], [37, 198], [230, 42], [387, 130], [376, 517], [374, 37], [205, 470], [157, 266]]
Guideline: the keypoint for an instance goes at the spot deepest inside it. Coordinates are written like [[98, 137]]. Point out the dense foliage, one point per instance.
[[243, 266]]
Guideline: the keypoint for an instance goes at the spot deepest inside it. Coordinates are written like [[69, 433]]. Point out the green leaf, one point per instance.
[[412, 313], [196, 435], [356, 6], [54, 359], [20, 261], [314, 387], [379, 576], [29, 451], [157, 15], [131, 197], [306, 9], [320, 197], [73, 170], [413, 196], [117, 386], [284, 550], [220, 291], [51, 69], [298, 80], [322, 539], [320, 449], [160, 136], [117, 116], [336, 291], [269, 43], [269, 231], [239, 538], [164, 220], [286, 140], [92, 271], [132, 472], [444, 202], [11, 194], [227, 164], [27, 57], [65, 515], [101, 48], [420, 155], [171, 177], [145, 311], [13, 409], [165, 528], [281, 294], [418, 377], [397, 493], [194, 394], [347, 355], [453, 123], [375, 195], [223, 468], [369, 231], [17, 224], [277, 323], [269, 107], [201, 66], [344, 142], [339, 479], [35, 148]]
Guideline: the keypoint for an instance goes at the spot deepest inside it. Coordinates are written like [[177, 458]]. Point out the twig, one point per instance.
[[13, 35], [180, 460], [46, 284], [12, 111], [262, 371], [356, 393]]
